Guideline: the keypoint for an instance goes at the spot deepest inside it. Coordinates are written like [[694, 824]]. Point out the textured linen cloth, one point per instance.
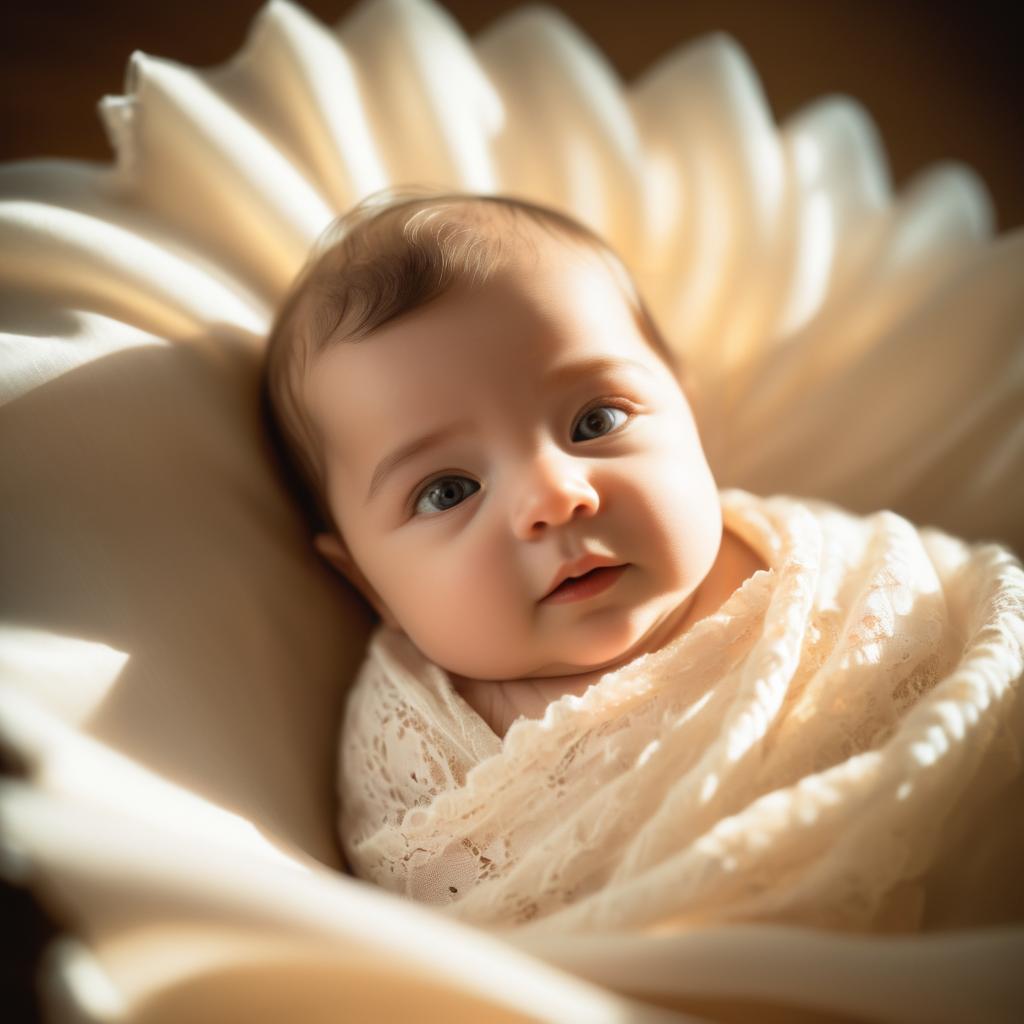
[[820, 751]]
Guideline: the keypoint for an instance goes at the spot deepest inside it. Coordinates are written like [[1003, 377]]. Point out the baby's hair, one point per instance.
[[392, 253]]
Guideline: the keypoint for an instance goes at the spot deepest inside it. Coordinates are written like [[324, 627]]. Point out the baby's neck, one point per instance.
[[500, 703]]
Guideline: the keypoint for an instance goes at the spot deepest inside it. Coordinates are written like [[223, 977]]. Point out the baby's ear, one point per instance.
[[334, 550]]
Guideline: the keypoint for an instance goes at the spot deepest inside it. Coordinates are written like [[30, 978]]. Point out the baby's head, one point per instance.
[[477, 404]]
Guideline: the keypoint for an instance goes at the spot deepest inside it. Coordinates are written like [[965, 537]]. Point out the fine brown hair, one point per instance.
[[392, 253]]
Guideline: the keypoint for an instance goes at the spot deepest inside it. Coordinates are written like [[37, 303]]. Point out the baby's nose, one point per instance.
[[554, 491]]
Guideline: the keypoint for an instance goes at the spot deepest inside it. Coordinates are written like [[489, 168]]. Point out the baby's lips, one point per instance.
[[579, 567]]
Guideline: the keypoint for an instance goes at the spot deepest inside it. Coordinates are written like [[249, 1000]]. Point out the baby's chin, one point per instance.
[[604, 648], [516, 668], [616, 648]]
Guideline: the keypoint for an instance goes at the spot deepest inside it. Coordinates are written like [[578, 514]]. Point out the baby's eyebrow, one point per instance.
[[569, 373], [391, 462]]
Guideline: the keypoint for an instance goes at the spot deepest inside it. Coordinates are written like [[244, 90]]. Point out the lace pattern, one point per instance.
[[801, 756]]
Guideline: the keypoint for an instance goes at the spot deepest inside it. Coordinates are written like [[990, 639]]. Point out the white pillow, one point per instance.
[[173, 657]]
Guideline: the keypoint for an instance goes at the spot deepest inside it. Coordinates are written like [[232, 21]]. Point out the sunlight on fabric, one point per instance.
[[66, 762], [692, 711], [648, 752], [86, 770], [815, 252], [998, 462], [927, 753], [954, 720], [86, 986], [469, 78], [744, 733], [808, 161], [811, 796], [68, 676], [31, 362], [150, 959], [708, 787], [754, 721], [662, 197], [924, 754], [147, 281], [475, 160], [695, 302], [732, 839], [587, 188], [257, 166], [870, 653]]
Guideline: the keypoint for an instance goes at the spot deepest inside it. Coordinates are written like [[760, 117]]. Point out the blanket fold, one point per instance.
[[839, 746]]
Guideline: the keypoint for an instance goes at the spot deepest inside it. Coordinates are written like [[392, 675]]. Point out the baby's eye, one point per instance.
[[600, 420], [444, 493]]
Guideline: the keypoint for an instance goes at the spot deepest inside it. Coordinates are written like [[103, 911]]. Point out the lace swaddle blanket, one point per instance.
[[840, 745]]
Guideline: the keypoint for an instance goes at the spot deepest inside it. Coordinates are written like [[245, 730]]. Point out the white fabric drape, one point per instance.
[[170, 650], [839, 746]]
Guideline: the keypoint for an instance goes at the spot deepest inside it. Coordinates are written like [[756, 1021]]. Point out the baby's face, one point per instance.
[[485, 445]]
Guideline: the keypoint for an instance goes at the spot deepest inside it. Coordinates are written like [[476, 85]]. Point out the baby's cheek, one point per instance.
[[481, 589], [478, 626], [690, 517], [700, 539], [449, 600]]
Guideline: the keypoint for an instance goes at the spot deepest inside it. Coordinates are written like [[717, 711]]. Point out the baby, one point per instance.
[[500, 446], [581, 675]]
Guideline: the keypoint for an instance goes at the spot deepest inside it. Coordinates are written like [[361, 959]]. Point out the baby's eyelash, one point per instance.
[[615, 401], [609, 401]]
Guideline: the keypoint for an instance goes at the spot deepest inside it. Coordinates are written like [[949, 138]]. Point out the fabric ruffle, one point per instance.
[[846, 342]]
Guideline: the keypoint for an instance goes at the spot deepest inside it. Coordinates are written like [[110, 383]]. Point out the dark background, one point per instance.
[[942, 79]]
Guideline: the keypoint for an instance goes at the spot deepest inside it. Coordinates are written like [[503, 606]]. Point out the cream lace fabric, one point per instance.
[[809, 754]]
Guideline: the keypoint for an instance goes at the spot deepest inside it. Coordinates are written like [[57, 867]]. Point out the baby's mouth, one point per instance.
[[587, 584], [582, 576]]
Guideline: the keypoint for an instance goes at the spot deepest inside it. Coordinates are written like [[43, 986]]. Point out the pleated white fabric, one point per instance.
[[170, 649]]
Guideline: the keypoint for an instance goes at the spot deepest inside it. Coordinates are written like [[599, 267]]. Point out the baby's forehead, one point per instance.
[[522, 318], [541, 277]]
